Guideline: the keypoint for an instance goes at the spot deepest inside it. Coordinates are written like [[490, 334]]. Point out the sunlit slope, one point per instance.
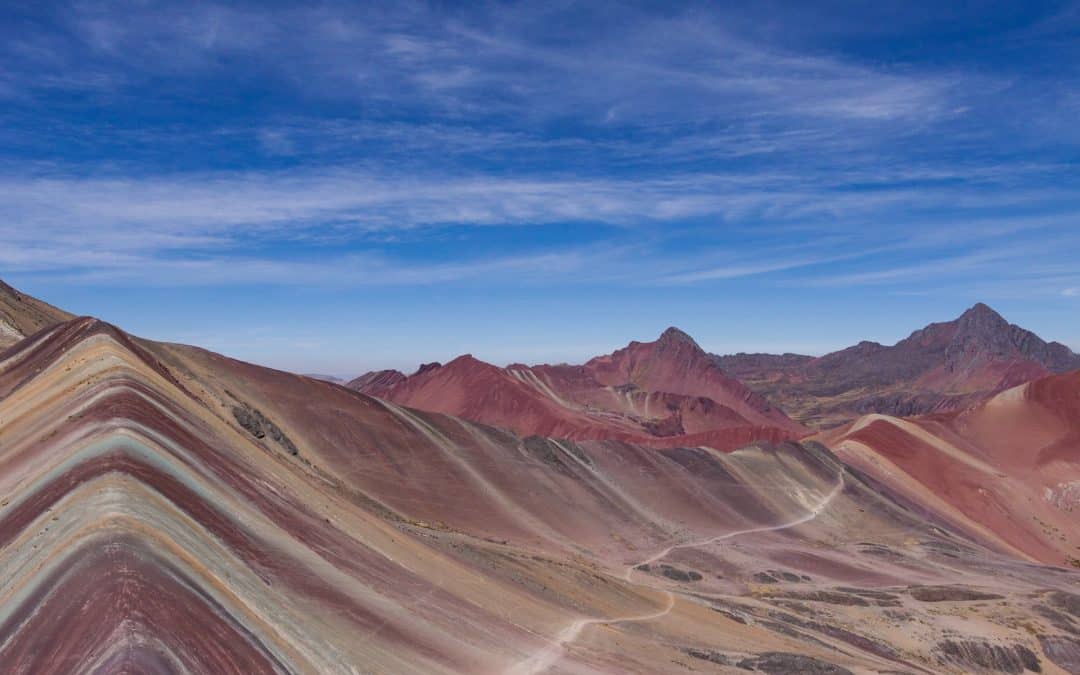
[[140, 529], [22, 315], [1007, 471], [166, 509]]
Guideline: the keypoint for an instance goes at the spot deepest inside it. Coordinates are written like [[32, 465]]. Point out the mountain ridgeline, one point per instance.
[[22, 315], [672, 389], [664, 393], [944, 366], [170, 510]]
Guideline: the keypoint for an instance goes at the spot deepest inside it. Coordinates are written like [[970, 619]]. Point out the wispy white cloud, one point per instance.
[[647, 69], [932, 268], [1006, 261], [738, 270], [355, 270], [172, 211], [680, 122], [192, 226]]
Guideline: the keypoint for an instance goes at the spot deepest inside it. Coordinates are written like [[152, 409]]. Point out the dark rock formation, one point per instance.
[[828, 597], [708, 655], [1063, 651], [1067, 602], [679, 575], [247, 418], [783, 663], [987, 656], [256, 424], [949, 594], [859, 641]]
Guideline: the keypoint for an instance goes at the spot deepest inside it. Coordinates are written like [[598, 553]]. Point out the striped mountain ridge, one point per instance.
[[170, 510], [157, 537]]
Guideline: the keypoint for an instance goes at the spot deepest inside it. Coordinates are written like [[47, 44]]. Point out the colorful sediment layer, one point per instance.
[[169, 510]]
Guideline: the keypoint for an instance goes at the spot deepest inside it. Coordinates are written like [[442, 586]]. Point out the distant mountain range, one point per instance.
[[672, 391], [944, 366], [663, 393]]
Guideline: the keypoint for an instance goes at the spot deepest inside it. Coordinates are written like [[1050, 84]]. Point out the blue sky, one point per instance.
[[333, 187]]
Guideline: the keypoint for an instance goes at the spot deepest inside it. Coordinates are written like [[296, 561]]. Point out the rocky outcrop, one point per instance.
[[950, 594], [988, 657], [1067, 602], [1064, 652], [784, 663], [256, 424], [676, 574]]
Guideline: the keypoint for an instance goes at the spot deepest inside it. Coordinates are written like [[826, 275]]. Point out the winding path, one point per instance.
[[810, 515], [550, 655]]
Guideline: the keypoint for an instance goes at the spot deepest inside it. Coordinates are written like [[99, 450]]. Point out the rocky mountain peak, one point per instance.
[[981, 317], [674, 336], [424, 367], [984, 328]]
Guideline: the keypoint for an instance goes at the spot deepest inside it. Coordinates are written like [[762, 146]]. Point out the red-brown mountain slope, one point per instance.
[[663, 393], [1006, 470], [945, 366]]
